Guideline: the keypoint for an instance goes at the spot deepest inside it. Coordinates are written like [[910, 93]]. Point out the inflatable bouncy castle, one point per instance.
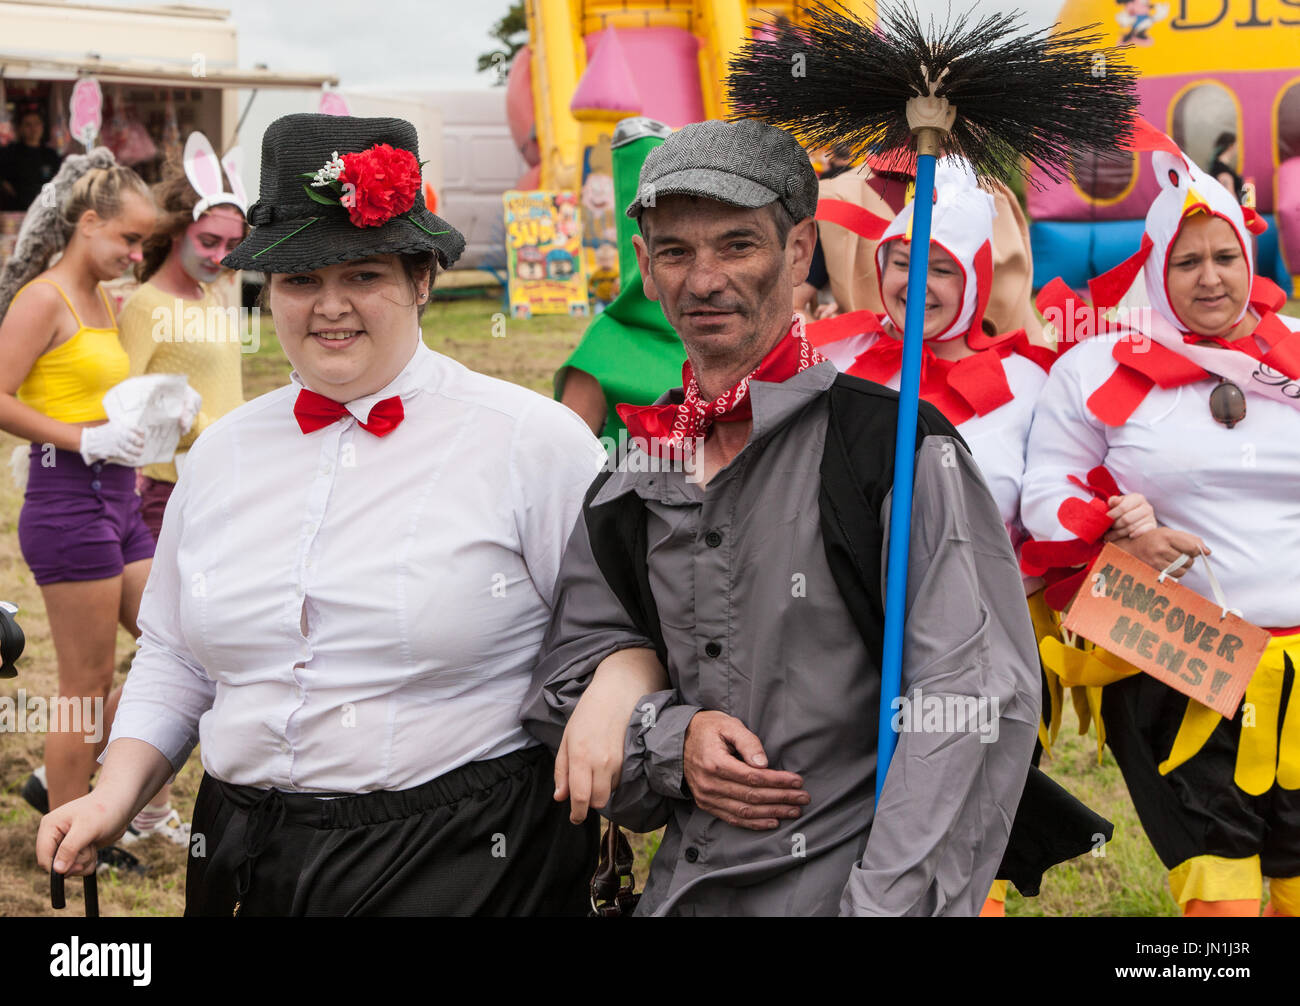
[[1208, 68], [590, 63]]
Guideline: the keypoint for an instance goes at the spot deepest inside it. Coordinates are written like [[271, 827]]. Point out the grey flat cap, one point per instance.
[[745, 163]]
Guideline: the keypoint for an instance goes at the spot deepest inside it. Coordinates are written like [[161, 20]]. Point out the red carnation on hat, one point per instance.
[[384, 184]]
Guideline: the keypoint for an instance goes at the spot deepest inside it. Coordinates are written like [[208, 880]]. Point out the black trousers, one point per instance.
[[485, 839], [1197, 809]]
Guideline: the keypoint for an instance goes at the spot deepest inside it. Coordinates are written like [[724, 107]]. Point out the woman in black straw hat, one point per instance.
[[355, 572]]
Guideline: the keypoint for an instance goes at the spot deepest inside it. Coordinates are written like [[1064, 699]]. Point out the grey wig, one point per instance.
[[44, 231]]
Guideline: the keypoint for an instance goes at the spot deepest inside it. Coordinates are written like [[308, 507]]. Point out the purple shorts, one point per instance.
[[79, 521], [153, 502]]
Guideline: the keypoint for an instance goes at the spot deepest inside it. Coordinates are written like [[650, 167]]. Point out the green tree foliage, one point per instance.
[[512, 32]]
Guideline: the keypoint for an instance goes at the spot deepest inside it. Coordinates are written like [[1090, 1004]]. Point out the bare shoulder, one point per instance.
[[37, 296], [35, 318]]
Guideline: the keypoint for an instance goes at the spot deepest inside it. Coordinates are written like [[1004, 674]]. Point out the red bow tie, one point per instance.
[[315, 412]]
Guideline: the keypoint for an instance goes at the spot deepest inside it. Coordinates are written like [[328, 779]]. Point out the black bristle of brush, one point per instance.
[[1034, 96]]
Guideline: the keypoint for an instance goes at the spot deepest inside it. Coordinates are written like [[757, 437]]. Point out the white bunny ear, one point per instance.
[[233, 162], [201, 166]]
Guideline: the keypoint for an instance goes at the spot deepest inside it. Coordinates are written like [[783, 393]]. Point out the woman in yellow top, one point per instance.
[[174, 323], [80, 528], [59, 354]]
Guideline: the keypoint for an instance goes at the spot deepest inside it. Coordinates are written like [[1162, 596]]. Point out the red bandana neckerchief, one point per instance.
[[315, 412], [960, 389], [676, 428]]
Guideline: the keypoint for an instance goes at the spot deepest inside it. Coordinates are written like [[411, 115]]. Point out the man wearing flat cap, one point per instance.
[[719, 609]]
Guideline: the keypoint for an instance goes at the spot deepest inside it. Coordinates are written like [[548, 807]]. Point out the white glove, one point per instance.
[[190, 410], [112, 442]]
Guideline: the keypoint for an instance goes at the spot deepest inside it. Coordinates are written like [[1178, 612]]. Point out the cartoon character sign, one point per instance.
[[559, 264], [1138, 16], [529, 265], [598, 208], [567, 205], [544, 252], [605, 278]]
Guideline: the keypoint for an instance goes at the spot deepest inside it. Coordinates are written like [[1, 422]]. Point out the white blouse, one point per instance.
[[340, 612], [1238, 489]]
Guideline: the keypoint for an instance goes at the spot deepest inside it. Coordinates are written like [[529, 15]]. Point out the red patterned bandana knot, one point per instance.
[[677, 428]]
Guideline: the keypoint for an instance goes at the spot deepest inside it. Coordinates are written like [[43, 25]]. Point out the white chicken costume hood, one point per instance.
[[1185, 190], [962, 225]]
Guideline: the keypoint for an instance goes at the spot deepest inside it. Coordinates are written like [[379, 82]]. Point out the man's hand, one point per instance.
[[1162, 546], [726, 771]]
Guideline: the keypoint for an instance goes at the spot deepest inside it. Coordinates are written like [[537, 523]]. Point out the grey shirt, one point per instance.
[[755, 627]]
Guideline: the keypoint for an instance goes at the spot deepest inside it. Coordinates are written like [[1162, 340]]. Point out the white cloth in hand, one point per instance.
[[155, 403], [114, 441], [189, 409]]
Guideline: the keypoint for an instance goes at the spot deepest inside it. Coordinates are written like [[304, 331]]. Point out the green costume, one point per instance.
[[629, 348]]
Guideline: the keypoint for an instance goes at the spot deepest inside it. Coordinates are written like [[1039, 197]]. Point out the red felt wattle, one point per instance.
[[1119, 396], [1086, 518]]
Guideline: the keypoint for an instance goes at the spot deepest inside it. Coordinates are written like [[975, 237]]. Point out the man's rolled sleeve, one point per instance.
[[588, 623], [663, 740], [950, 795]]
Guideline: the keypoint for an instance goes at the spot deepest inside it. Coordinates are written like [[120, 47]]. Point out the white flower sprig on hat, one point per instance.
[[330, 172]]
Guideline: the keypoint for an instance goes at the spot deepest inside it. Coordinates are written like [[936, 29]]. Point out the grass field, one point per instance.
[[1127, 880]]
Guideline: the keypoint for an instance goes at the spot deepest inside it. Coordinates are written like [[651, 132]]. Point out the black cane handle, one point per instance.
[[57, 899], [56, 889]]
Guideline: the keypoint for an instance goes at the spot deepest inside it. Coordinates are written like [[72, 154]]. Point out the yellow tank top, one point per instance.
[[68, 382]]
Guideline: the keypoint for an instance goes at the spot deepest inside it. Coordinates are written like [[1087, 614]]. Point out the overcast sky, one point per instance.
[[416, 44]]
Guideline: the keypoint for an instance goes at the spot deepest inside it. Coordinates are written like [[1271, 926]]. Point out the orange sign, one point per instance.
[[1170, 632]]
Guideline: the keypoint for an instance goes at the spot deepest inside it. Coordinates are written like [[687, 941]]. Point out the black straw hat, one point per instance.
[[298, 226]]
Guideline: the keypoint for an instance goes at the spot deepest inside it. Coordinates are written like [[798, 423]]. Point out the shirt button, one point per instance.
[[713, 539], [95, 484], [284, 747], [712, 649], [692, 854]]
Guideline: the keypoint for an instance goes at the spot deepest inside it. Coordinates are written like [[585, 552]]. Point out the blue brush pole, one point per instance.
[[900, 513], [888, 83]]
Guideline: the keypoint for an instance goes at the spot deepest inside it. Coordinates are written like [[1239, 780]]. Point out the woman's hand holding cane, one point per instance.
[[70, 835]]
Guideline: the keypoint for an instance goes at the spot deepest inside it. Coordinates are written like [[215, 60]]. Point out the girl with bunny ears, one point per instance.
[[80, 528], [201, 221]]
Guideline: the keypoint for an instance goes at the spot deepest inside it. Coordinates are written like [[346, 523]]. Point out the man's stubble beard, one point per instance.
[[752, 348]]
